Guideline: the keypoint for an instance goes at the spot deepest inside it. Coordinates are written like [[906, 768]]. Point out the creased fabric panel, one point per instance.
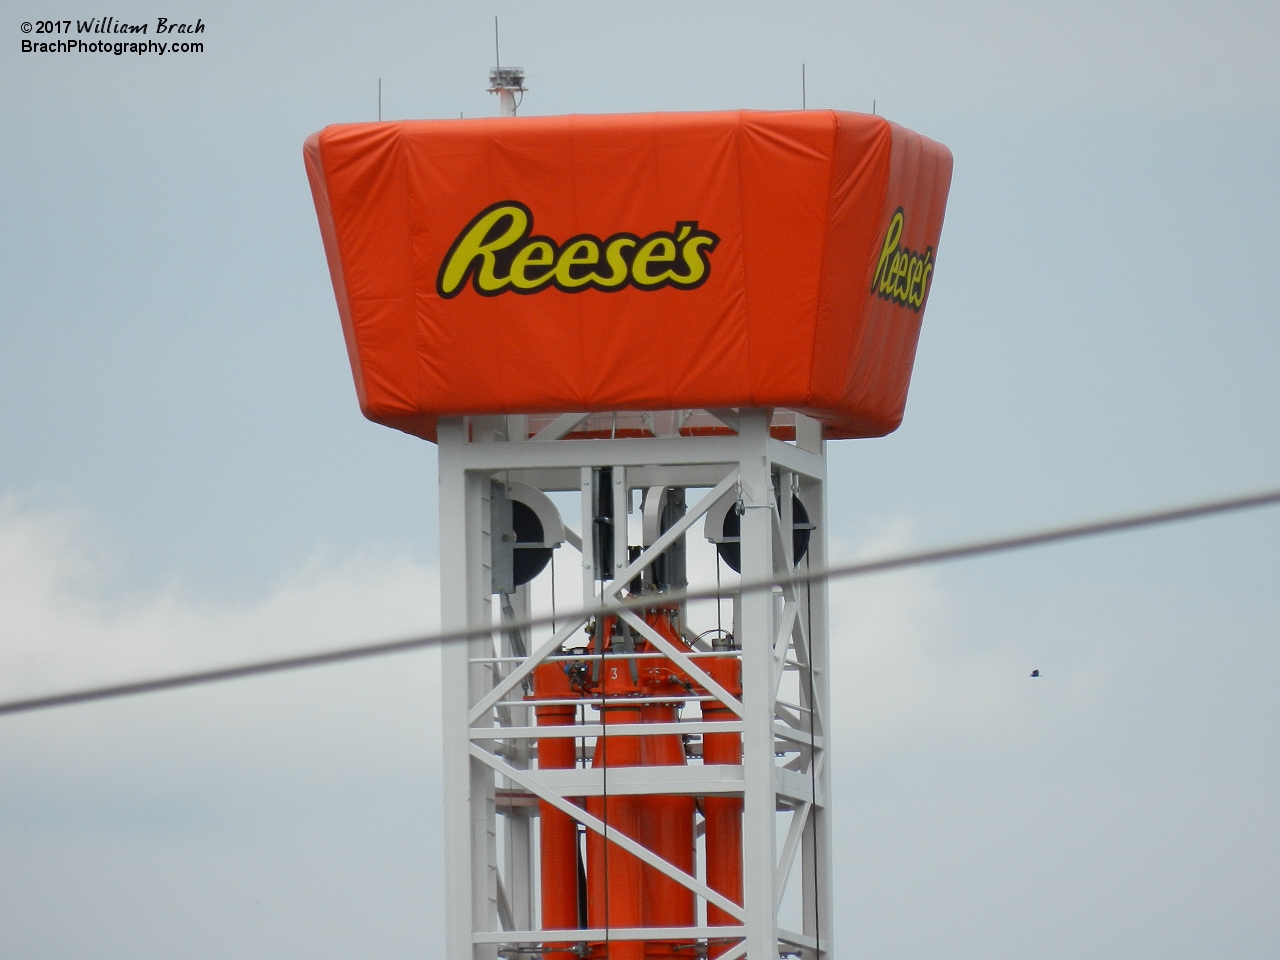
[[328, 235], [369, 204], [785, 170], [883, 354], [786, 316], [859, 179]]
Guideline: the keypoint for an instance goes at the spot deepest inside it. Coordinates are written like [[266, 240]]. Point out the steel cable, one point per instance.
[[865, 568]]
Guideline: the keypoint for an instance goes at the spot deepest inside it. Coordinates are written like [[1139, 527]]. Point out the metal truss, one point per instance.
[[492, 783]]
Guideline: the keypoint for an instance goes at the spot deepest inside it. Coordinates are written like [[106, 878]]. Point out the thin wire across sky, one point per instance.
[[963, 551]]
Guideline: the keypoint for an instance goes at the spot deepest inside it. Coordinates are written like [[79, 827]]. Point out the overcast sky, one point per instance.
[[185, 477]]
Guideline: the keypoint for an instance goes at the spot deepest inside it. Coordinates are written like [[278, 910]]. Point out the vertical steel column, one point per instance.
[[757, 635], [589, 558], [519, 840], [470, 840], [621, 519], [816, 852], [517, 823]]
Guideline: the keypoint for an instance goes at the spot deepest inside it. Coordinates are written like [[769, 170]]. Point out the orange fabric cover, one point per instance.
[[808, 299]]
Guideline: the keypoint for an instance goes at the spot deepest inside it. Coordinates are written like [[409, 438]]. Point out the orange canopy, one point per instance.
[[631, 262]]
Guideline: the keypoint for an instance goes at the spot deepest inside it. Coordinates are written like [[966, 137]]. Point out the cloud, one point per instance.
[[297, 814], [917, 661], [66, 619]]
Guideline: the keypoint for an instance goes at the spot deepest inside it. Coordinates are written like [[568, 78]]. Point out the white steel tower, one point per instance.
[[495, 787]]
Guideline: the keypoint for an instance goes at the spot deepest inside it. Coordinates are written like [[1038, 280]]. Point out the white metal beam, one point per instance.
[[597, 934], [629, 452], [565, 479], [698, 780], [756, 636], [797, 460], [564, 424], [588, 730]]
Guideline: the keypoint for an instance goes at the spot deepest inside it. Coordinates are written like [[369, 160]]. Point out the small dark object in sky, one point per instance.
[[1035, 673]]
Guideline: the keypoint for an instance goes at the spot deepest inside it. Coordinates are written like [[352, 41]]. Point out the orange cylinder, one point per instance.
[[667, 820], [615, 883], [558, 832], [723, 815]]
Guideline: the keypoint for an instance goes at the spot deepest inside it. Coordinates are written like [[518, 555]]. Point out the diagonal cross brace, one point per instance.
[[673, 533], [789, 849], [792, 589], [564, 424], [783, 641], [691, 668], [526, 667], [612, 835]]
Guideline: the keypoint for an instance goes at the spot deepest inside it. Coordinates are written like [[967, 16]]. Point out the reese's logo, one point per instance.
[[497, 253], [902, 275]]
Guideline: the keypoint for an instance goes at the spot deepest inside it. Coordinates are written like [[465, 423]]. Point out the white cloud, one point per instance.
[[913, 661], [66, 620], [294, 813]]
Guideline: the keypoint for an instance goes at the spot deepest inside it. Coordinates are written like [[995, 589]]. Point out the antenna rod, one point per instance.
[[506, 82], [379, 98], [804, 100]]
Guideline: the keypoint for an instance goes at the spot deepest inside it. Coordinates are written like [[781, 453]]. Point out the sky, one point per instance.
[[186, 479]]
